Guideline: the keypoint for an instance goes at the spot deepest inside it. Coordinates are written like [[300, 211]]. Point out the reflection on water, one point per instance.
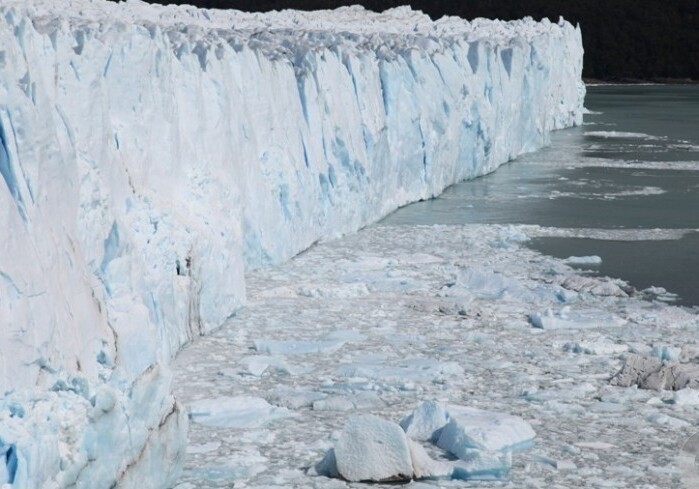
[[615, 172]]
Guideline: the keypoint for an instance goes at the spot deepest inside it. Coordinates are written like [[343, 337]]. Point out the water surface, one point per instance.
[[634, 164]]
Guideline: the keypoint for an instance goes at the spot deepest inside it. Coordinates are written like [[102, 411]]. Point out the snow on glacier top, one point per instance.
[[282, 31]]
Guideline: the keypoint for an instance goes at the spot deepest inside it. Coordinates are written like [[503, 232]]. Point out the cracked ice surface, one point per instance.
[[429, 329]]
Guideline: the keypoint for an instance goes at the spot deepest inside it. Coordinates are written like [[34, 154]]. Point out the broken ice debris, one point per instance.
[[370, 449], [236, 412], [300, 347], [565, 318], [686, 397], [256, 365], [598, 346], [652, 373]]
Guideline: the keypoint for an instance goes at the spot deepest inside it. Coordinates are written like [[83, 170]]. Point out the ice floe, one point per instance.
[[236, 412], [583, 260], [566, 318], [621, 134], [280, 347]]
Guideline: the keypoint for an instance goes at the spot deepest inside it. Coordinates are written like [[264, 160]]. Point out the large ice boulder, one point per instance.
[[373, 449]]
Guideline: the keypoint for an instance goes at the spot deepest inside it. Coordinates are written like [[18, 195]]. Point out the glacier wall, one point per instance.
[[150, 155]]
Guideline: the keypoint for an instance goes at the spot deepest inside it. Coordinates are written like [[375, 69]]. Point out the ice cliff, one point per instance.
[[149, 155]]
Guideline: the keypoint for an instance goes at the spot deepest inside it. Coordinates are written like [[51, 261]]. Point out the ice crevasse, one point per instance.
[[150, 155]]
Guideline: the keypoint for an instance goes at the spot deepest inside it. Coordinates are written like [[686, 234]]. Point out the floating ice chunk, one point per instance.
[[565, 318], [686, 397], [595, 445], [555, 463], [236, 467], [362, 400], [482, 465], [469, 428], [294, 399], [258, 364], [593, 285], [583, 260], [599, 346], [652, 373], [580, 390], [236, 412], [203, 448], [277, 292], [424, 369], [562, 409], [301, 347], [659, 293], [485, 284], [665, 420], [635, 370], [341, 291], [373, 449], [334, 403], [425, 423], [512, 233], [346, 335], [621, 135], [327, 466]]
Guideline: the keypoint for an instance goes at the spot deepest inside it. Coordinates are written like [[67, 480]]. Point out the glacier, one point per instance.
[[151, 155]]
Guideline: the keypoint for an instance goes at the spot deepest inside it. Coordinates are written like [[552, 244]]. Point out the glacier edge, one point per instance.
[[150, 155]]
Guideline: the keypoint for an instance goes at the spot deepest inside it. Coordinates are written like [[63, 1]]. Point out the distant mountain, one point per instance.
[[625, 40]]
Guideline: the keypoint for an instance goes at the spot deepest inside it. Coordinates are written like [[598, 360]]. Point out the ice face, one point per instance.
[[150, 154]]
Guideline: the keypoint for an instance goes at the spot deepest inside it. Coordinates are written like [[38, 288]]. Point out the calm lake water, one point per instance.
[[633, 165]]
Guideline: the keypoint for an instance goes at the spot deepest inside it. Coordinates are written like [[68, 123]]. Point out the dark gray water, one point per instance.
[[633, 165]]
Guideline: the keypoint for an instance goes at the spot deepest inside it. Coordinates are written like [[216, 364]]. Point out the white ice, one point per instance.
[[373, 449], [425, 423], [583, 260], [566, 318], [236, 412], [620, 134], [469, 428], [150, 156], [557, 380], [277, 347]]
